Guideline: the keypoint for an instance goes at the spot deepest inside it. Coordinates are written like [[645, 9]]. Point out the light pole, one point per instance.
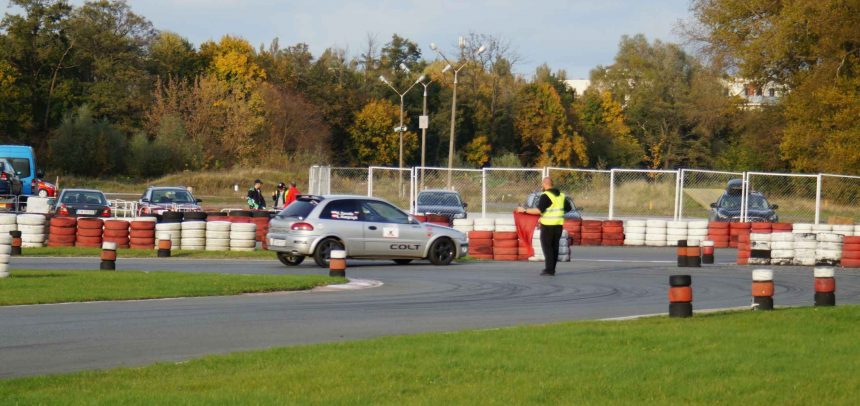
[[480, 50], [401, 128], [424, 123]]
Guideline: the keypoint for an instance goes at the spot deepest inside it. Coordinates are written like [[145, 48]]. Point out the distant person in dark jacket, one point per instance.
[[255, 196]]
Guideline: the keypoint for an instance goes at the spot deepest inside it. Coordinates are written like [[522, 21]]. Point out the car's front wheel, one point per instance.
[[442, 252], [290, 259], [324, 249]]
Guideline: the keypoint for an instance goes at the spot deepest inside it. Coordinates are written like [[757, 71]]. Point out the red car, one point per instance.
[[43, 188]]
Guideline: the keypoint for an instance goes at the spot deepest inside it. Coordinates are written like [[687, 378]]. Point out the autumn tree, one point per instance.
[[542, 126], [373, 137]]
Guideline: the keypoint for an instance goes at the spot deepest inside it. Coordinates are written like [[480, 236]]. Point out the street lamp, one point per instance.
[[462, 44], [402, 127]]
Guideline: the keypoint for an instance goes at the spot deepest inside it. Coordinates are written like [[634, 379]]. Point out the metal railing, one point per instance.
[[613, 194]]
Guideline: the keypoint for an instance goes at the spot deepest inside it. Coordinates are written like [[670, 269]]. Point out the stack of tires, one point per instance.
[[781, 248], [32, 228], [655, 233], [675, 231], [822, 228], [192, 235], [218, 235], [170, 229], [802, 228], [697, 230], [116, 231], [805, 244], [464, 225], [61, 232], [744, 249], [505, 224], [261, 220], [505, 245], [243, 236], [485, 224], [844, 229], [736, 229], [851, 252], [781, 227], [760, 247], [522, 251], [89, 232], [612, 233], [719, 233], [574, 230], [592, 232], [142, 234], [537, 247], [634, 232], [8, 222], [439, 220], [828, 251], [564, 247], [481, 243]]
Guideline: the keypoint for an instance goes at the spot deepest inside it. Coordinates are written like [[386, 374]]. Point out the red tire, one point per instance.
[[592, 229], [484, 257], [63, 222], [116, 225], [851, 247], [680, 294], [142, 225], [613, 230], [592, 236], [591, 241], [717, 225], [850, 263], [88, 240], [613, 236], [504, 251], [234, 219], [118, 240], [505, 243], [850, 255], [89, 232], [226, 218], [88, 245], [742, 261], [142, 241], [851, 240], [486, 235], [762, 289], [825, 285], [740, 226], [480, 242], [480, 250], [718, 238], [90, 223], [592, 223], [612, 243], [613, 223], [782, 227], [523, 251], [504, 235], [142, 234], [61, 230], [108, 255], [62, 238], [497, 257], [115, 233]]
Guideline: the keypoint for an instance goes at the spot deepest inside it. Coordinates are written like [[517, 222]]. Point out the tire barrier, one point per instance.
[[719, 233], [117, 231], [463, 225], [762, 289], [505, 246], [337, 264], [851, 252], [655, 233], [612, 233], [828, 251], [635, 232], [781, 248], [217, 236], [165, 245], [676, 231], [592, 233], [171, 217], [142, 233], [261, 220], [243, 237], [505, 225], [825, 286], [439, 220], [759, 249], [481, 244], [193, 235], [32, 228], [108, 256], [171, 231], [805, 245], [5, 255], [564, 254], [89, 232], [62, 232], [15, 243], [735, 230], [707, 252], [574, 230], [485, 224], [680, 296]]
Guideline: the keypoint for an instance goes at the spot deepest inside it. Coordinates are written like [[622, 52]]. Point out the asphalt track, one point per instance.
[[600, 283]]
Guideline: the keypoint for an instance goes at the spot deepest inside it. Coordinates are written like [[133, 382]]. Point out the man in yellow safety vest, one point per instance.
[[551, 207]]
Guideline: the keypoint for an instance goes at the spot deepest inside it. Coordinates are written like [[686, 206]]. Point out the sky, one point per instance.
[[574, 35]]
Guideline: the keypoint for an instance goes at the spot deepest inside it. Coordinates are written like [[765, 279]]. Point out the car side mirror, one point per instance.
[[145, 200], [465, 205], [775, 206], [713, 205], [40, 173], [199, 200]]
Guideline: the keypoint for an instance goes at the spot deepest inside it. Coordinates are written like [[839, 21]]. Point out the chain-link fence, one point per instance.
[[791, 197], [589, 189], [348, 181], [839, 197], [507, 188], [643, 194], [700, 189], [468, 182], [392, 184]]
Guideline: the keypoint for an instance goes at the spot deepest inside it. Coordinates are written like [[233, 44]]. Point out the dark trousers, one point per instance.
[[549, 241]]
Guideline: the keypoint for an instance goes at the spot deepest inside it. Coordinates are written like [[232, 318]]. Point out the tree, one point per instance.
[[83, 145], [542, 126], [610, 140], [373, 137], [172, 55], [477, 151]]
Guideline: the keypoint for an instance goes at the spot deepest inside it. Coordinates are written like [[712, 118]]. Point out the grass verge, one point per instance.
[[796, 356], [37, 287], [129, 253]]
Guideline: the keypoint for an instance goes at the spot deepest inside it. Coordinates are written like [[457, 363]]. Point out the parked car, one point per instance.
[[159, 199], [366, 227], [533, 198], [43, 188], [728, 207], [82, 203], [10, 182], [442, 202], [23, 160]]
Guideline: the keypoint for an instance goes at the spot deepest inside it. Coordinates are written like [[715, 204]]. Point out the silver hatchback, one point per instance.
[[365, 227]]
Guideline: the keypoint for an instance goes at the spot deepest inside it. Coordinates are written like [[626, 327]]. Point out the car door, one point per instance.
[[389, 232], [342, 218]]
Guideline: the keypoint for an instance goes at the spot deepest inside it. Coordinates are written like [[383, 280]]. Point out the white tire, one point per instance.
[[843, 229], [464, 229], [193, 247], [193, 233], [243, 227], [782, 245], [25, 229], [243, 243], [148, 219], [192, 242], [634, 230], [655, 243], [506, 229], [168, 227], [7, 219], [759, 237], [829, 246], [806, 245], [243, 235], [31, 219], [823, 272], [238, 249], [635, 242], [32, 244], [699, 233], [828, 237], [634, 236], [218, 226], [678, 225], [217, 235], [781, 253], [804, 253], [5, 249], [822, 228], [5, 239], [193, 225], [782, 237], [805, 237], [655, 234], [655, 223], [485, 222], [697, 225], [485, 228], [6, 228], [505, 221], [166, 235], [758, 261], [803, 261], [636, 223], [831, 255], [34, 238], [4, 259], [762, 275], [464, 222], [759, 245]]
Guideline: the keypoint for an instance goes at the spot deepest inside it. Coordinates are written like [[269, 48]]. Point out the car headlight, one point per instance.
[[460, 216]]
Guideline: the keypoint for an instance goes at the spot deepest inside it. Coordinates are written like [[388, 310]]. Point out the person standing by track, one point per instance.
[[256, 201], [551, 207]]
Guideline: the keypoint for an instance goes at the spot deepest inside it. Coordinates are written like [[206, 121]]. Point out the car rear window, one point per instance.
[[21, 165], [73, 197], [300, 208]]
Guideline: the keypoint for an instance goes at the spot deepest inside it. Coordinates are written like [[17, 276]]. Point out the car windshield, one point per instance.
[[83, 197], [438, 199], [300, 208], [734, 202], [171, 196]]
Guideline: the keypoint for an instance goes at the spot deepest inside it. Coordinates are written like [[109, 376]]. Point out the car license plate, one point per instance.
[[87, 212], [279, 243]]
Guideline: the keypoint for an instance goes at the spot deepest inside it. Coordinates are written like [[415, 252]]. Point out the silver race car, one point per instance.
[[365, 227]]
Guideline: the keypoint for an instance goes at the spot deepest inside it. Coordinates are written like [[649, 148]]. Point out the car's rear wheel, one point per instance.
[[442, 252], [290, 259], [324, 249], [402, 261]]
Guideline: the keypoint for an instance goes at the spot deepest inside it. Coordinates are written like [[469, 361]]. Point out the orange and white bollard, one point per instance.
[[680, 296], [762, 289], [694, 254], [707, 252], [108, 256], [825, 286], [16, 242], [337, 264], [164, 245]]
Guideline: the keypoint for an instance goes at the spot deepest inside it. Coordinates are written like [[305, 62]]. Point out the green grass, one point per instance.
[[129, 253], [35, 287], [797, 356]]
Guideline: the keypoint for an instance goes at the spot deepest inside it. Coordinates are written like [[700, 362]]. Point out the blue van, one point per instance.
[[23, 159]]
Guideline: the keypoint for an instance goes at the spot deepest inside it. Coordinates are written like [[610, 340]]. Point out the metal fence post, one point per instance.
[[413, 193], [679, 203], [818, 199], [370, 181], [745, 186], [611, 194], [483, 192]]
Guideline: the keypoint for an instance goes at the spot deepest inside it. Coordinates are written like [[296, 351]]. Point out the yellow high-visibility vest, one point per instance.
[[554, 214]]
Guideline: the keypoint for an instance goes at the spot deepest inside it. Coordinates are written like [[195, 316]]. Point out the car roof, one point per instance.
[[82, 190], [439, 191], [168, 187]]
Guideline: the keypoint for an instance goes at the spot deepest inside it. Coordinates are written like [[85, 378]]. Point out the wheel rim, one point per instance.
[[327, 248], [444, 250]]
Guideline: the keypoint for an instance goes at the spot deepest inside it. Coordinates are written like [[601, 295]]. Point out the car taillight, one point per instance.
[[4, 176], [106, 212], [302, 227], [63, 211]]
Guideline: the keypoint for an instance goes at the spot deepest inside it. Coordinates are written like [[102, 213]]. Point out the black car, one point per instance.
[[82, 203], [728, 207], [533, 198], [442, 202], [10, 182]]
